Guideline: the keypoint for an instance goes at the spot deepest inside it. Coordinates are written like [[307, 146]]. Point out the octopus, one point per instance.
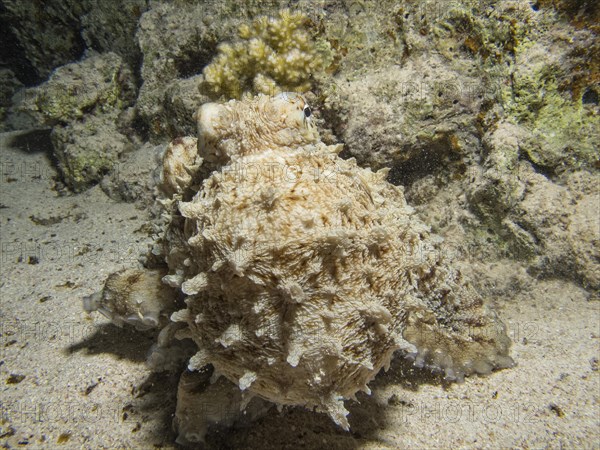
[[294, 275]]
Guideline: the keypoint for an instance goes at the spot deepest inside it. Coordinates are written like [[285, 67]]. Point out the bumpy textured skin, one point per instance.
[[135, 297], [243, 128], [180, 163], [304, 273]]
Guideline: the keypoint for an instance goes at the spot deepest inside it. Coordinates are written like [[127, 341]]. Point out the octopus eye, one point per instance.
[[307, 111]]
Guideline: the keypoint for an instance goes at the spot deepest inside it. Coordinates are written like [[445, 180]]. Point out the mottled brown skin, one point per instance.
[[136, 297], [303, 273], [308, 272]]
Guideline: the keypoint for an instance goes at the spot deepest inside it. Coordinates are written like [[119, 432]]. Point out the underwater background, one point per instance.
[[486, 112]]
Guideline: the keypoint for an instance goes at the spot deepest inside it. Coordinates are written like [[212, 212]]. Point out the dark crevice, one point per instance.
[[12, 55], [193, 61], [435, 159], [547, 171], [34, 141], [590, 97]]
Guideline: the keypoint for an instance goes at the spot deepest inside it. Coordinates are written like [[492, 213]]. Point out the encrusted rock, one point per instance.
[[86, 104]]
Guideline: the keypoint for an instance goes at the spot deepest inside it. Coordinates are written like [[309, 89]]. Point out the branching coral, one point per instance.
[[273, 54]]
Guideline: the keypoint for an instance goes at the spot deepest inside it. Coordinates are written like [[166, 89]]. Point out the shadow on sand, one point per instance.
[[293, 427]]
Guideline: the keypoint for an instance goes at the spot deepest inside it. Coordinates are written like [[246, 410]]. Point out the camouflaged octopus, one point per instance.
[[296, 273]]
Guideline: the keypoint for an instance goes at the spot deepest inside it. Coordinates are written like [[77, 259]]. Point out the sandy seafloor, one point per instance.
[[70, 380]]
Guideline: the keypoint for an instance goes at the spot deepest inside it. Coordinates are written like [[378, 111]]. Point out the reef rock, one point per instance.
[[423, 111], [8, 86], [551, 225], [47, 35], [302, 273], [85, 103]]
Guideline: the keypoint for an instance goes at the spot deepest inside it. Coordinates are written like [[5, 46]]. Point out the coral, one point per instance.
[[273, 54], [583, 229], [172, 62], [513, 61], [583, 13], [181, 100], [302, 273], [361, 35]]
